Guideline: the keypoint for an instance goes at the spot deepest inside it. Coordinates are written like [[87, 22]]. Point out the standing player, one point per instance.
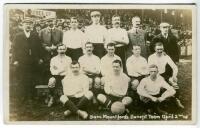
[[119, 37], [115, 86], [59, 67], [137, 36], [161, 59], [76, 92], [106, 61], [137, 68], [74, 40], [90, 65], [96, 34], [150, 92]]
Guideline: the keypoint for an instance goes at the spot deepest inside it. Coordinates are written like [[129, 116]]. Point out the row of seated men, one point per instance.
[[103, 80]]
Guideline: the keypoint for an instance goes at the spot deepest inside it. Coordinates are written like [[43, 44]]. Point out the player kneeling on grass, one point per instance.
[[115, 87], [59, 67], [76, 92], [150, 92], [137, 69]]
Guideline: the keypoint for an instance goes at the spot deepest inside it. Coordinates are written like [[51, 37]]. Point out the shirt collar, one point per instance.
[[27, 33]]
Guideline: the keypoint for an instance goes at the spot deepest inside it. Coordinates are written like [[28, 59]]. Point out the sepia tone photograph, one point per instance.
[[95, 63]]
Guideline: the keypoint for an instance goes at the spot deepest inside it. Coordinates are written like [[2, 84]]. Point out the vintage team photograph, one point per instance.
[[100, 62]]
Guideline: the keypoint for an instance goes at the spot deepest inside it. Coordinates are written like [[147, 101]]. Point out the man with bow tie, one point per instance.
[[50, 37], [26, 57]]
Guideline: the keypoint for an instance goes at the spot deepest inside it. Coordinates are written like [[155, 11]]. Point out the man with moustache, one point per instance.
[[74, 39], [50, 37], [90, 65], [26, 56], [119, 37], [137, 36], [59, 67], [96, 34]]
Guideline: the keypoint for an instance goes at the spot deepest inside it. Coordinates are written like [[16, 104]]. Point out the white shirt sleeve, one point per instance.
[[173, 66], [53, 68]]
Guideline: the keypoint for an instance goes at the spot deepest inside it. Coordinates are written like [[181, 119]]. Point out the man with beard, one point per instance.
[[137, 36], [74, 39], [50, 37], [96, 34], [59, 67], [26, 57], [119, 37]]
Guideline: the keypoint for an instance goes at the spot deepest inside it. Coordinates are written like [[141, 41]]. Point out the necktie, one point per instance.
[[136, 31], [51, 36]]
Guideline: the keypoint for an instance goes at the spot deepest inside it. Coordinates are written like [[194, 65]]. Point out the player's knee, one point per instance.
[[101, 98], [64, 99], [134, 84], [52, 82], [127, 100], [89, 95], [102, 81], [90, 81], [97, 82]]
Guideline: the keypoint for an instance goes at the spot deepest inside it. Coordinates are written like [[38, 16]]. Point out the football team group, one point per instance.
[[111, 68]]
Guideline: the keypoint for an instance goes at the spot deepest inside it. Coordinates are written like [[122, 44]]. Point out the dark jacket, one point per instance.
[[27, 51], [170, 45]]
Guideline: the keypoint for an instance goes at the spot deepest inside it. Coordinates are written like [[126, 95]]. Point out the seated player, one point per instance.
[[106, 61], [90, 65], [162, 60], [59, 66], [76, 92], [115, 86], [137, 67], [150, 93]]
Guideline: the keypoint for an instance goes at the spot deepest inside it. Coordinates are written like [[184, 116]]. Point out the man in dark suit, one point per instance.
[[26, 56], [50, 38], [170, 44], [137, 36], [169, 41]]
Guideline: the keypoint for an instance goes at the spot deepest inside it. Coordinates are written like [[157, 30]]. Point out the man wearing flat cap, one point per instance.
[[96, 34], [170, 45], [169, 41], [50, 37], [26, 58]]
